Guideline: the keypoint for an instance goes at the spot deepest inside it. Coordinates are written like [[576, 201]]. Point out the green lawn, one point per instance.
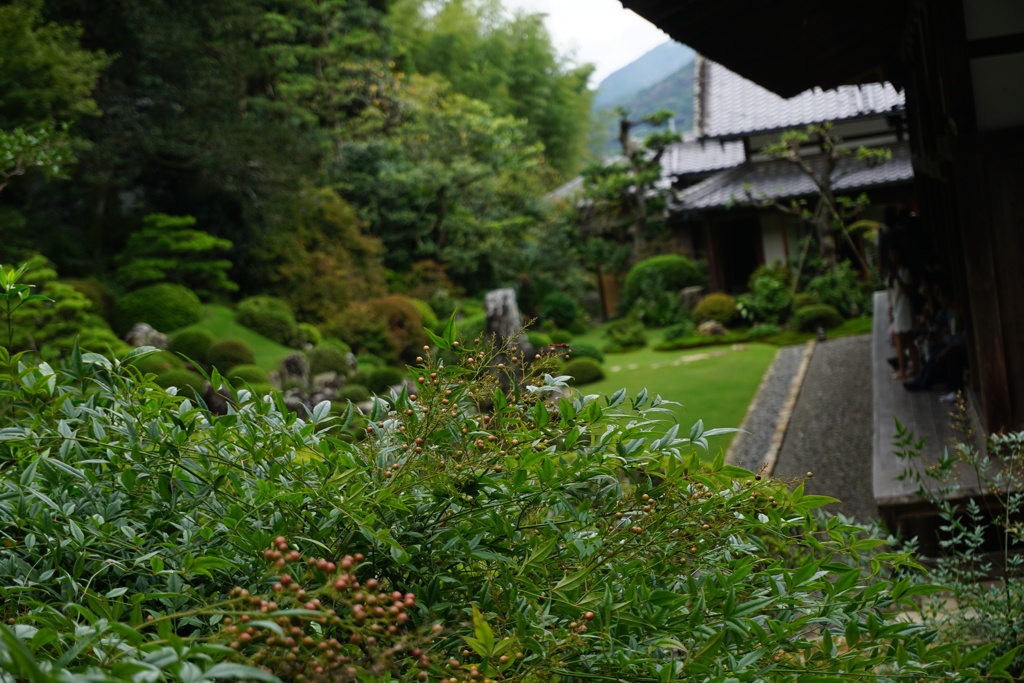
[[714, 384], [220, 322]]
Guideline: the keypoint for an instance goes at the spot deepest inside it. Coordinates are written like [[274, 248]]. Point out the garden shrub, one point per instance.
[[804, 299], [685, 328], [430, 319], [271, 317], [768, 301], [666, 273], [560, 308], [254, 375], [625, 334], [764, 330], [471, 327], [99, 296], [560, 336], [371, 361], [310, 334], [810, 318], [227, 353], [182, 379], [356, 393], [165, 306], [775, 271], [379, 380], [601, 524], [583, 371], [715, 306], [390, 326], [538, 340], [158, 363], [330, 355], [193, 344], [840, 289], [578, 350]]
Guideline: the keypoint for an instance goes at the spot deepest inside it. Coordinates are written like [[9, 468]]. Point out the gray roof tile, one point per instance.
[[700, 157], [780, 179], [730, 105]]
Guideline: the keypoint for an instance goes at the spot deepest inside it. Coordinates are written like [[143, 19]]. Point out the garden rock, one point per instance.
[[143, 334], [712, 328], [327, 381], [294, 368]]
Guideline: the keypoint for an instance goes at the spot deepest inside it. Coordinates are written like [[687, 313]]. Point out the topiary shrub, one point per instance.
[[652, 287], [804, 299], [193, 344], [625, 334], [227, 353], [310, 334], [240, 375], [181, 379], [560, 336], [560, 308], [810, 318], [538, 340], [356, 393], [586, 351], [165, 306], [583, 371], [379, 380], [370, 361], [271, 317], [715, 306], [158, 363], [330, 355]]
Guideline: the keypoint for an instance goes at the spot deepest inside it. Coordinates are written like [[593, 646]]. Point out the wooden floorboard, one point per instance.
[[920, 413]]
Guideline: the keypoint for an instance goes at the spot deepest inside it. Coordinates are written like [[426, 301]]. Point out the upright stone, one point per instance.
[[504, 322]]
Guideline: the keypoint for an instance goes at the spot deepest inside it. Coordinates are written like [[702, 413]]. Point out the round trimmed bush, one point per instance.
[[665, 273], [253, 375], [371, 361], [181, 379], [538, 340], [804, 299], [193, 344], [271, 317], [810, 318], [560, 308], [330, 355], [586, 351], [583, 371], [227, 353], [165, 306], [715, 306], [380, 380], [310, 334], [356, 393], [561, 336], [158, 363]]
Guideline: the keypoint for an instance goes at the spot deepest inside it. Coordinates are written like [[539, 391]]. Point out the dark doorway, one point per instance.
[[738, 250]]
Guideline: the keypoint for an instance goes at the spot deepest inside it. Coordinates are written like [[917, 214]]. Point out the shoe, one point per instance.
[[948, 398]]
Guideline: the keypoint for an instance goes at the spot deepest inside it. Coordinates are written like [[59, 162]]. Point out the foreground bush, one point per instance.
[[148, 539]]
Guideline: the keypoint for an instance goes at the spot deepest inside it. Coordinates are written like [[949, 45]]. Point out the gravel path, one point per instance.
[[831, 429], [815, 415]]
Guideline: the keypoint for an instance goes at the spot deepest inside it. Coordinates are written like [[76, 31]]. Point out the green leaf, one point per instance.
[[539, 553], [232, 670]]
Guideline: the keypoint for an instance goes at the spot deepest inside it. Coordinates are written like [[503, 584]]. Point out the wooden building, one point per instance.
[[960, 63]]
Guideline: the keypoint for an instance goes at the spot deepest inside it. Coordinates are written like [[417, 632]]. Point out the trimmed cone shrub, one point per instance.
[[583, 371], [715, 306], [193, 344], [254, 375], [330, 355], [181, 379], [379, 380], [227, 353], [810, 318], [165, 306], [271, 317]]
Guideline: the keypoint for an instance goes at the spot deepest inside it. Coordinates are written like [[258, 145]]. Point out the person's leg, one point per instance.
[[900, 338]]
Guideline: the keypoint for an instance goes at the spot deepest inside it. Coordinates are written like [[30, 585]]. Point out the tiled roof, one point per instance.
[[700, 157], [780, 179], [729, 105]]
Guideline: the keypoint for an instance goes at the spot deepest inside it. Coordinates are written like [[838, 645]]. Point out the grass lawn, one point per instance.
[[220, 322], [715, 384]]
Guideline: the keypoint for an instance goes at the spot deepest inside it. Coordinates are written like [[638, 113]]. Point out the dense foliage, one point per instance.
[[554, 535]]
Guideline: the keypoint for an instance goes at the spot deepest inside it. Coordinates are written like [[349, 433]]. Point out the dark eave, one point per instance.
[[788, 46]]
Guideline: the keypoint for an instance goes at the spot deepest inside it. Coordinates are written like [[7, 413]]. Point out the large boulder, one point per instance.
[[712, 328], [143, 334]]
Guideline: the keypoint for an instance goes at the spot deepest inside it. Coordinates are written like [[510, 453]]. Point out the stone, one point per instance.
[[712, 328], [295, 369], [143, 334]]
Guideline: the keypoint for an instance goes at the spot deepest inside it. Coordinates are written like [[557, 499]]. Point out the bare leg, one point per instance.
[[900, 339]]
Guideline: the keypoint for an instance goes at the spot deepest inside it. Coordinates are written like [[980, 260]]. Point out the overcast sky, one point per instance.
[[597, 31]]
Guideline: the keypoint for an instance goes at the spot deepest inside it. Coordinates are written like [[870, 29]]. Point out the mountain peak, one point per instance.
[[650, 69]]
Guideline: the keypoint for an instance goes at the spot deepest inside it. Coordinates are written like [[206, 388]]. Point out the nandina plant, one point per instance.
[[531, 532]]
